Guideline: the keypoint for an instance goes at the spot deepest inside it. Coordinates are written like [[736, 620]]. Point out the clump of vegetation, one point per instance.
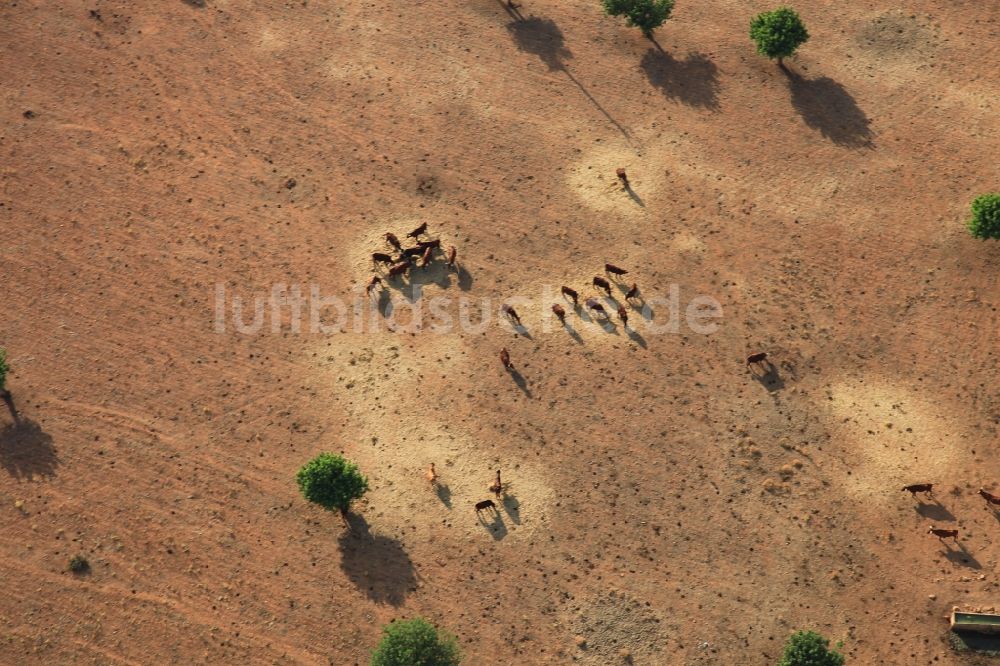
[[415, 642], [4, 369], [985, 222], [778, 33], [807, 648], [332, 482], [78, 564], [647, 15]]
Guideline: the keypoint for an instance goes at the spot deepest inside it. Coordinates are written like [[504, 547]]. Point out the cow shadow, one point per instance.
[[443, 493], [512, 507], [826, 106], [935, 511], [26, 451], [636, 337], [693, 81], [572, 332], [520, 381], [378, 565], [496, 527], [464, 278], [768, 377], [962, 557]]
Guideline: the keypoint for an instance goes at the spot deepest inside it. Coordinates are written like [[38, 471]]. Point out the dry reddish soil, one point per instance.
[[661, 500]]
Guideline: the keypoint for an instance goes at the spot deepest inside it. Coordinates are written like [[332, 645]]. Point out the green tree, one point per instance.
[[985, 222], [647, 15], [332, 482], [415, 642], [4, 369], [778, 33], [807, 648]]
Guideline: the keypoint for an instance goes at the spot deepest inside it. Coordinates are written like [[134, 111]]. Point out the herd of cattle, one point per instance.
[[928, 490]]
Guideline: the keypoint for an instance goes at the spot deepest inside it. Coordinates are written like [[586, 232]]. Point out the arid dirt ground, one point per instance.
[[662, 500]]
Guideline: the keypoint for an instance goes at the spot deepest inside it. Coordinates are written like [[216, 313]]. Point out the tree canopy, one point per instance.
[[778, 33], [415, 642]]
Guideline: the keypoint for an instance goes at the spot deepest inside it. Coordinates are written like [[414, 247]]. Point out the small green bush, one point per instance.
[[647, 15], [415, 642], [4, 369], [807, 648], [985, 222], [332, 482], [778, 33], [78, 564]]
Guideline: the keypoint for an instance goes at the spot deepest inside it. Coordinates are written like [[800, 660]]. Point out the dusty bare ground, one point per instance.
[[662, 501]]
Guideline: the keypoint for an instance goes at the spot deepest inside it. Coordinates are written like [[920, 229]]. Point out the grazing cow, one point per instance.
[[614, 270], [375, 281], [633, 292], [496, 487], [399, 269], [381, 258], [505, 359], [418, 231], [560, 312], [431, 243], [566, 291], [926, 488], [601, 283], [426, 258], [989, 497], [452, 253], [391, 239], [432, 476], [592, 304], [756, 358], [623, 315], [943, 534], [411, 252], [622, 177], [484, 505], [510, 312]]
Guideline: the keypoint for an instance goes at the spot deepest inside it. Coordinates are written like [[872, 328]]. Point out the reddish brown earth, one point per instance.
[[661, 499]]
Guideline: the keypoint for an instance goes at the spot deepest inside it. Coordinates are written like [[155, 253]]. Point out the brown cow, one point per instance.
[[484, 505], [418, 231], [592, 304], [614, 270], [431, 243], [393, 241], [496, 487], [452, 253], [381, 258], [560, 312], [623, 315], [756, 358], [601, 283], [510, 312], [943, 534], [926, 488], [411, 252], [566, 291], [399, 269], [989, 497], [376, 280], [622, 177], [432, 476], [426, 259], [505, 359], [633, 292]]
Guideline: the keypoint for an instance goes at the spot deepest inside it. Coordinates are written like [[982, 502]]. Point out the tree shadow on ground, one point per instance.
[[693, 81], [543, 38], [376, 564], [826, 106], [26, 450]]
